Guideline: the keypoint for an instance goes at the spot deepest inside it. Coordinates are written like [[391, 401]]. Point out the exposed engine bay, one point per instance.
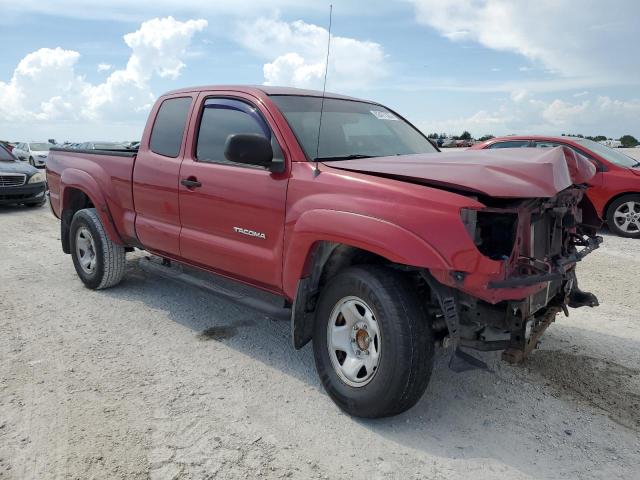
[[539, 242]]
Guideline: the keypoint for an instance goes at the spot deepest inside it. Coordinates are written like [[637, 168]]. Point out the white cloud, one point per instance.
[[296, 54], [575, 38], [104, 67], [44, 86], [45, 91], [563, 114], [525, 114]]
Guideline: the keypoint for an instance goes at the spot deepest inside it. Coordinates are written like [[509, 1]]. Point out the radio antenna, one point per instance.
[[324, 89]]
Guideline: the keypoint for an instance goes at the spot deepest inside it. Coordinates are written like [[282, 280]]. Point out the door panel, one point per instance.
[[156, 177], [234, 222], [156, 201]]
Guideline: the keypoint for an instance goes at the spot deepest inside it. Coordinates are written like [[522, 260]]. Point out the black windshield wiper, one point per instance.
[[342, 157]]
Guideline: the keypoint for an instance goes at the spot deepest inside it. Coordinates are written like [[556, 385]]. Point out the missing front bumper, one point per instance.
[[560, 269]]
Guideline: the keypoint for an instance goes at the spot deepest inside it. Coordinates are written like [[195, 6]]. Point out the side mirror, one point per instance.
[[251, 149]]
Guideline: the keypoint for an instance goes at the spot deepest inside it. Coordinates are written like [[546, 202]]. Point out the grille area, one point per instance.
[[12, 179]]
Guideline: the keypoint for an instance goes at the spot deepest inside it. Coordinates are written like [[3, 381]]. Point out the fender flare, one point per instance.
[[390, 241], [80, 180]]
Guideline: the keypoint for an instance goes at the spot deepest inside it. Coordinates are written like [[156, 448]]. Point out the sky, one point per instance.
[[82, 70]]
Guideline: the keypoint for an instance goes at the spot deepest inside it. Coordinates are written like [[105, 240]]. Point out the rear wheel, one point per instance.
[[99, 262], [372, 344], [623, 216]]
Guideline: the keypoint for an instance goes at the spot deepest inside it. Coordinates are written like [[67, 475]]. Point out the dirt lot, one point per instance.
[[124, 384]]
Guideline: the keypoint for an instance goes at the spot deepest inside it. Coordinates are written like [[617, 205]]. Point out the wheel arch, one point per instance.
[[323, 242], [80, 190], [613, 199]]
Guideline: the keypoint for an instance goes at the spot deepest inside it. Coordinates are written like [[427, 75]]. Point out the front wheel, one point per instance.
[[372, 343], [623, 216], [99, 262], [32, 162]]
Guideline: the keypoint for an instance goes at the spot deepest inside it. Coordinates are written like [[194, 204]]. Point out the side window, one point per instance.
[[222, 117], [168, 129], [511, 144], [540, 144]]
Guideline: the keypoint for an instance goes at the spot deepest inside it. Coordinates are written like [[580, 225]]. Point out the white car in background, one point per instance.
[[612, 143], [35, 153]]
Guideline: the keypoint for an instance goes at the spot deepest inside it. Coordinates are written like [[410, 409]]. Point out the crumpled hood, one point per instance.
[[505, 172]]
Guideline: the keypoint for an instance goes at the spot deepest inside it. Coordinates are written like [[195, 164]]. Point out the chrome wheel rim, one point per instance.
[[354, 341], [86, 250], [627, 217]]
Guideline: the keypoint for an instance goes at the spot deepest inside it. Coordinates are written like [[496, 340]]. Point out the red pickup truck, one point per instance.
[[382, 247]]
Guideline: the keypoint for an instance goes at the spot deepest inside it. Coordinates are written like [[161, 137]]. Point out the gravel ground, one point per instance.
[[153, 379]]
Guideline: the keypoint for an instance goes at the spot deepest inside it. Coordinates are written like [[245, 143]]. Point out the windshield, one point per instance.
[[40, 147], [350, 129], [609, 154], [5, 155]]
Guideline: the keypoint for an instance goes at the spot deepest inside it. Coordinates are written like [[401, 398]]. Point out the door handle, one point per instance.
[[191, 182]]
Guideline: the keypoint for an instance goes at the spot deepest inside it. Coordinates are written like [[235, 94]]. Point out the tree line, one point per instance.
[[628, 141]]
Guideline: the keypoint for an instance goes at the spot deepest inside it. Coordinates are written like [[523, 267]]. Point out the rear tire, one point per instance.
[[386, 306], [623, 216], [99, 262]]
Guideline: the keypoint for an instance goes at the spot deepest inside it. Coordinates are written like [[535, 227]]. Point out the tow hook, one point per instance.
[[578, 298]]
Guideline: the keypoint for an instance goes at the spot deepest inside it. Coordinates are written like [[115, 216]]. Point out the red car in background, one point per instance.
[[614, 191]]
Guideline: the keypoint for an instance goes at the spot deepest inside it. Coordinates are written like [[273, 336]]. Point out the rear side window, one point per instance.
[[222, 117], [168, 129], [511, 144]]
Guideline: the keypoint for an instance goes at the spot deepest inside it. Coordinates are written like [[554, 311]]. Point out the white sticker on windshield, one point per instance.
[[380, 115]]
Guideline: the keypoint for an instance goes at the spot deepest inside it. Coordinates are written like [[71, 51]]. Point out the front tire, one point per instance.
[[32, 162], [623, 216], [99, 262], [372, 343]]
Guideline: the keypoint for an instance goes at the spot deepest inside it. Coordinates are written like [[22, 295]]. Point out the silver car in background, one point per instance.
[[35, 153]]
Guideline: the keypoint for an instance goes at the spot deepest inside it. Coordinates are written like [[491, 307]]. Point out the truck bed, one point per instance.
[[111, 173]]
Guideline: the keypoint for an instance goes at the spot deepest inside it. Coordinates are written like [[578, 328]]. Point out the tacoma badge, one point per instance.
[[251, 233]]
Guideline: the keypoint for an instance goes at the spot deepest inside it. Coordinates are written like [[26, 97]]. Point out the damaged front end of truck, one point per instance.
[[531, 225], [538, 243]]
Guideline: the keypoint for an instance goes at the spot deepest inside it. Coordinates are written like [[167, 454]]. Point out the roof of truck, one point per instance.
[[266, 89]]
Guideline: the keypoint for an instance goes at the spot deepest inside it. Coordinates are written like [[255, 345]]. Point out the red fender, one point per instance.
[[73, 178], [368, 233]]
